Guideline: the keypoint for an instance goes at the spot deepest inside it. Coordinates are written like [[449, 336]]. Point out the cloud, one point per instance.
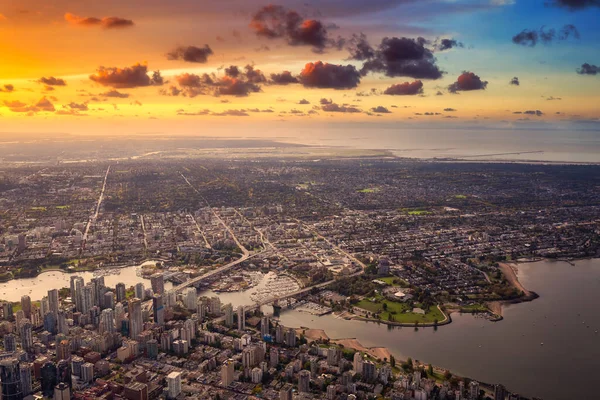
[[128, 77], [381, 110], [235, 82], [534, 112], [400, 57], [42, 105], [325, 101], [531, 37], [333, 107], [77, 106], [467, 81], [191, 54], [515, 81], [283, 78], [231, 113], [7, 88], [359, 48], [115, 93], [52, 81], [449, 109], [274, 21], [551, 98], [329, 76], [405, 89], [106, 22], [574, 5], [447, 44], [304, 101], [588, 69]]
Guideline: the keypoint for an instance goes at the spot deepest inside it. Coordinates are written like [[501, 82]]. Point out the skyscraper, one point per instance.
[[140, 291], [174, 384], [10, 375], [304, 381], [158, 283], [26, 305], [53, 301], [190, 298], [121, 292], [26, 375], [135, 318], [108, 300], [158, 309], [26, 335], [77, 285], [227, 373], [107, 319], [10, 342], [228, 311], [241, 318]]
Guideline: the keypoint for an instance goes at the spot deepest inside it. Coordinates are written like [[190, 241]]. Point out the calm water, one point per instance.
[[510, 351]]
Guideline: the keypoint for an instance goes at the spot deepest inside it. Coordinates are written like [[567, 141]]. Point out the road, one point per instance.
[[144, 231], [95, 216], [227, 228]]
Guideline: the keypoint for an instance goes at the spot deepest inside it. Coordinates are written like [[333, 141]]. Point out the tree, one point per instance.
[[392, 361]]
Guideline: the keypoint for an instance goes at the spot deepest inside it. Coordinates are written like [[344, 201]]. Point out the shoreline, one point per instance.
[[510, 271]]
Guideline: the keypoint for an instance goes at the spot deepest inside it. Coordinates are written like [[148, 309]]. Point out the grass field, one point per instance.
[[460, 196], [368, 190], [399, 312], [390, 280]]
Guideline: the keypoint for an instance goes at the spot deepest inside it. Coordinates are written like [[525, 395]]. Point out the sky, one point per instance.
[[197, 66]]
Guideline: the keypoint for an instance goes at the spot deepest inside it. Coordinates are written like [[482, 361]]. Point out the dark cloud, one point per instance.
[[128, 77], [447, 44], [329, 76], [333, 107], [381, 110], [449, 109], [106, 22], [405, 89], [400, 57], [574, 5], [304, 101], [7, 88], [283, 78], [235, 82], [326, 101], [467, 81], [191, 54], [115, 93], [77, 106], [534, 112], [551, 98], [231, 113], [52, 81], [532, 37], [359, 48], [274, 21], [588, 69], [515, 81]]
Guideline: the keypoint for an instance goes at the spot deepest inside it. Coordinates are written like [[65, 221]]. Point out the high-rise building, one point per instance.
[[61, 323], [304, 381], [26, 379], [10, 342], [190, 298], [140, 291], [76, 363], [290, 337], [227, 373], [77, 284], [26, 305], [108, 300], [474, 390], [158, 309], [63, 372], [201, 310], [135, 318], [228, 312], [158, 283], [136, 391], [119, 316], [174, 384], [62, 391], [98, 290], [333, 355], [50, 322], [87, 372], [10, 376], [107, 318], [499, 392], [87, 298], [264, 326], [241, 318], [63, 350], [53, 301], [256, 375], [26, 335], [358, 363], [285, 393], [7, 310], [121, 292]]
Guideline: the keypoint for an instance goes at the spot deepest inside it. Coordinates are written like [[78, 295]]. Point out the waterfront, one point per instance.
[[564, 318], [510, 351]]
